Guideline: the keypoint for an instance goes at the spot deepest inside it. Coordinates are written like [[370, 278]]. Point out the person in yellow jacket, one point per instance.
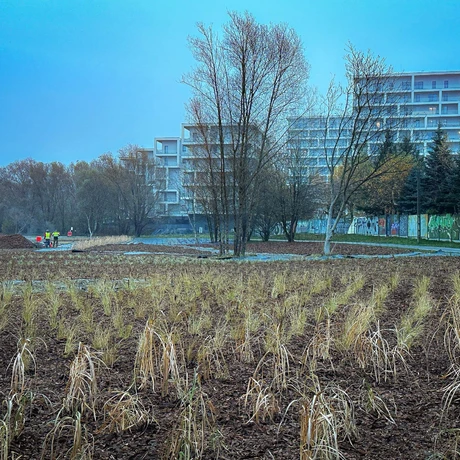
[[55, 238], [47, 239]]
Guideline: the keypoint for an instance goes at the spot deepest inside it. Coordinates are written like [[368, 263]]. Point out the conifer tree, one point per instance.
[[407, 202], [438, 179], [455, 184]]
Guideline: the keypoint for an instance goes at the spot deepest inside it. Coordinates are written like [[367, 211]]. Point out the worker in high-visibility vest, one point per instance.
[[55, 238], [47, 239]]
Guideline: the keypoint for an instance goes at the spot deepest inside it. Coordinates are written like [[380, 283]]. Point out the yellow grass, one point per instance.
[[100, 241]]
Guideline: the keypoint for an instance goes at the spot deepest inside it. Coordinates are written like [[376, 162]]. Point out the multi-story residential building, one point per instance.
[[208, 143], [415, 104], [168, 152], [200, 145], [412, 104]]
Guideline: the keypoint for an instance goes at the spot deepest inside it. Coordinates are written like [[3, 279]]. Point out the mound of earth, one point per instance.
[[15, 242]]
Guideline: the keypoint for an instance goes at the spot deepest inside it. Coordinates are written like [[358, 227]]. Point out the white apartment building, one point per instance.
[[175, 155], [168, 151], [415, 103]]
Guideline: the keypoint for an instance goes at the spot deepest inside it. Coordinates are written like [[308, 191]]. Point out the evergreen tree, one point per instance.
[[381, 194], [438, 179], [407, 202], [455, 185]]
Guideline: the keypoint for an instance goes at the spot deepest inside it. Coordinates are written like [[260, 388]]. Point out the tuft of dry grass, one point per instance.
[[326, 417], [261, 401], [81, 387], [65, 427], [412, 323], [124, 411], [144, 366]]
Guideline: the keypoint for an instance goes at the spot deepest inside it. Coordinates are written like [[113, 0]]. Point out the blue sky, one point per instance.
[[79, 78]]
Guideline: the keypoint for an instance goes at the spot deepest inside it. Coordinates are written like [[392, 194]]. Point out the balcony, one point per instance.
[[164, 153], [444, 123], [424, 112], [425, 100]]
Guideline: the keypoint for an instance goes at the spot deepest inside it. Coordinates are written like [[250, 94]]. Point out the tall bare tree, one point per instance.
[[94, 196], [267, 210], [140, 183], [355, 117], [299, 188], [36, 194], [243, 87]]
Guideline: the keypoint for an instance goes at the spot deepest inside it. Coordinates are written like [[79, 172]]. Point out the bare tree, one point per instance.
[[207, 182], [267, 211], [94, 195], [299, 188], [36, 194], [355, 118], [142, 187], [139, 182], [243, 88]]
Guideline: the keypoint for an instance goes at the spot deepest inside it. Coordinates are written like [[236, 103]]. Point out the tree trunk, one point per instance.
[[329, 232]]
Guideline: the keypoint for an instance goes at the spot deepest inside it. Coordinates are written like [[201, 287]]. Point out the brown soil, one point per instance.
[[308, 248], [414, 395], [271, 247], [15, 242], [150, 248]]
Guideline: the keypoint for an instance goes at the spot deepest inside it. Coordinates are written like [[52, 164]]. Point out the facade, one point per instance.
[[202, 149], [413, 104], [168, 152], [410, 104], [433, 100]]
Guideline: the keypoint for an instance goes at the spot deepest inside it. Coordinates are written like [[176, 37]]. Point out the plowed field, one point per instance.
[[157, 356]]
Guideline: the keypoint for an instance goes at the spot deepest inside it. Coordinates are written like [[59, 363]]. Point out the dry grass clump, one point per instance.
[[452, 344], [81, 245], [124, 411], [412, 323], [326, 417], [195, 427], [65, 427], [81, 389], [18, 400], [261, 401], [6, 295]]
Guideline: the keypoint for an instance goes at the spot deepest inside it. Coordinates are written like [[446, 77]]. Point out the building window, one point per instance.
[[166, 148], [446, 83], [417, 98], [433, 84], [405, 84], [418, 85], [445, 97], [432, 98]]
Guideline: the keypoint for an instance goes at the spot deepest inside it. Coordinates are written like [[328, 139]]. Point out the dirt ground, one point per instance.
[[413, 425], [15, 242], [270, 247]]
